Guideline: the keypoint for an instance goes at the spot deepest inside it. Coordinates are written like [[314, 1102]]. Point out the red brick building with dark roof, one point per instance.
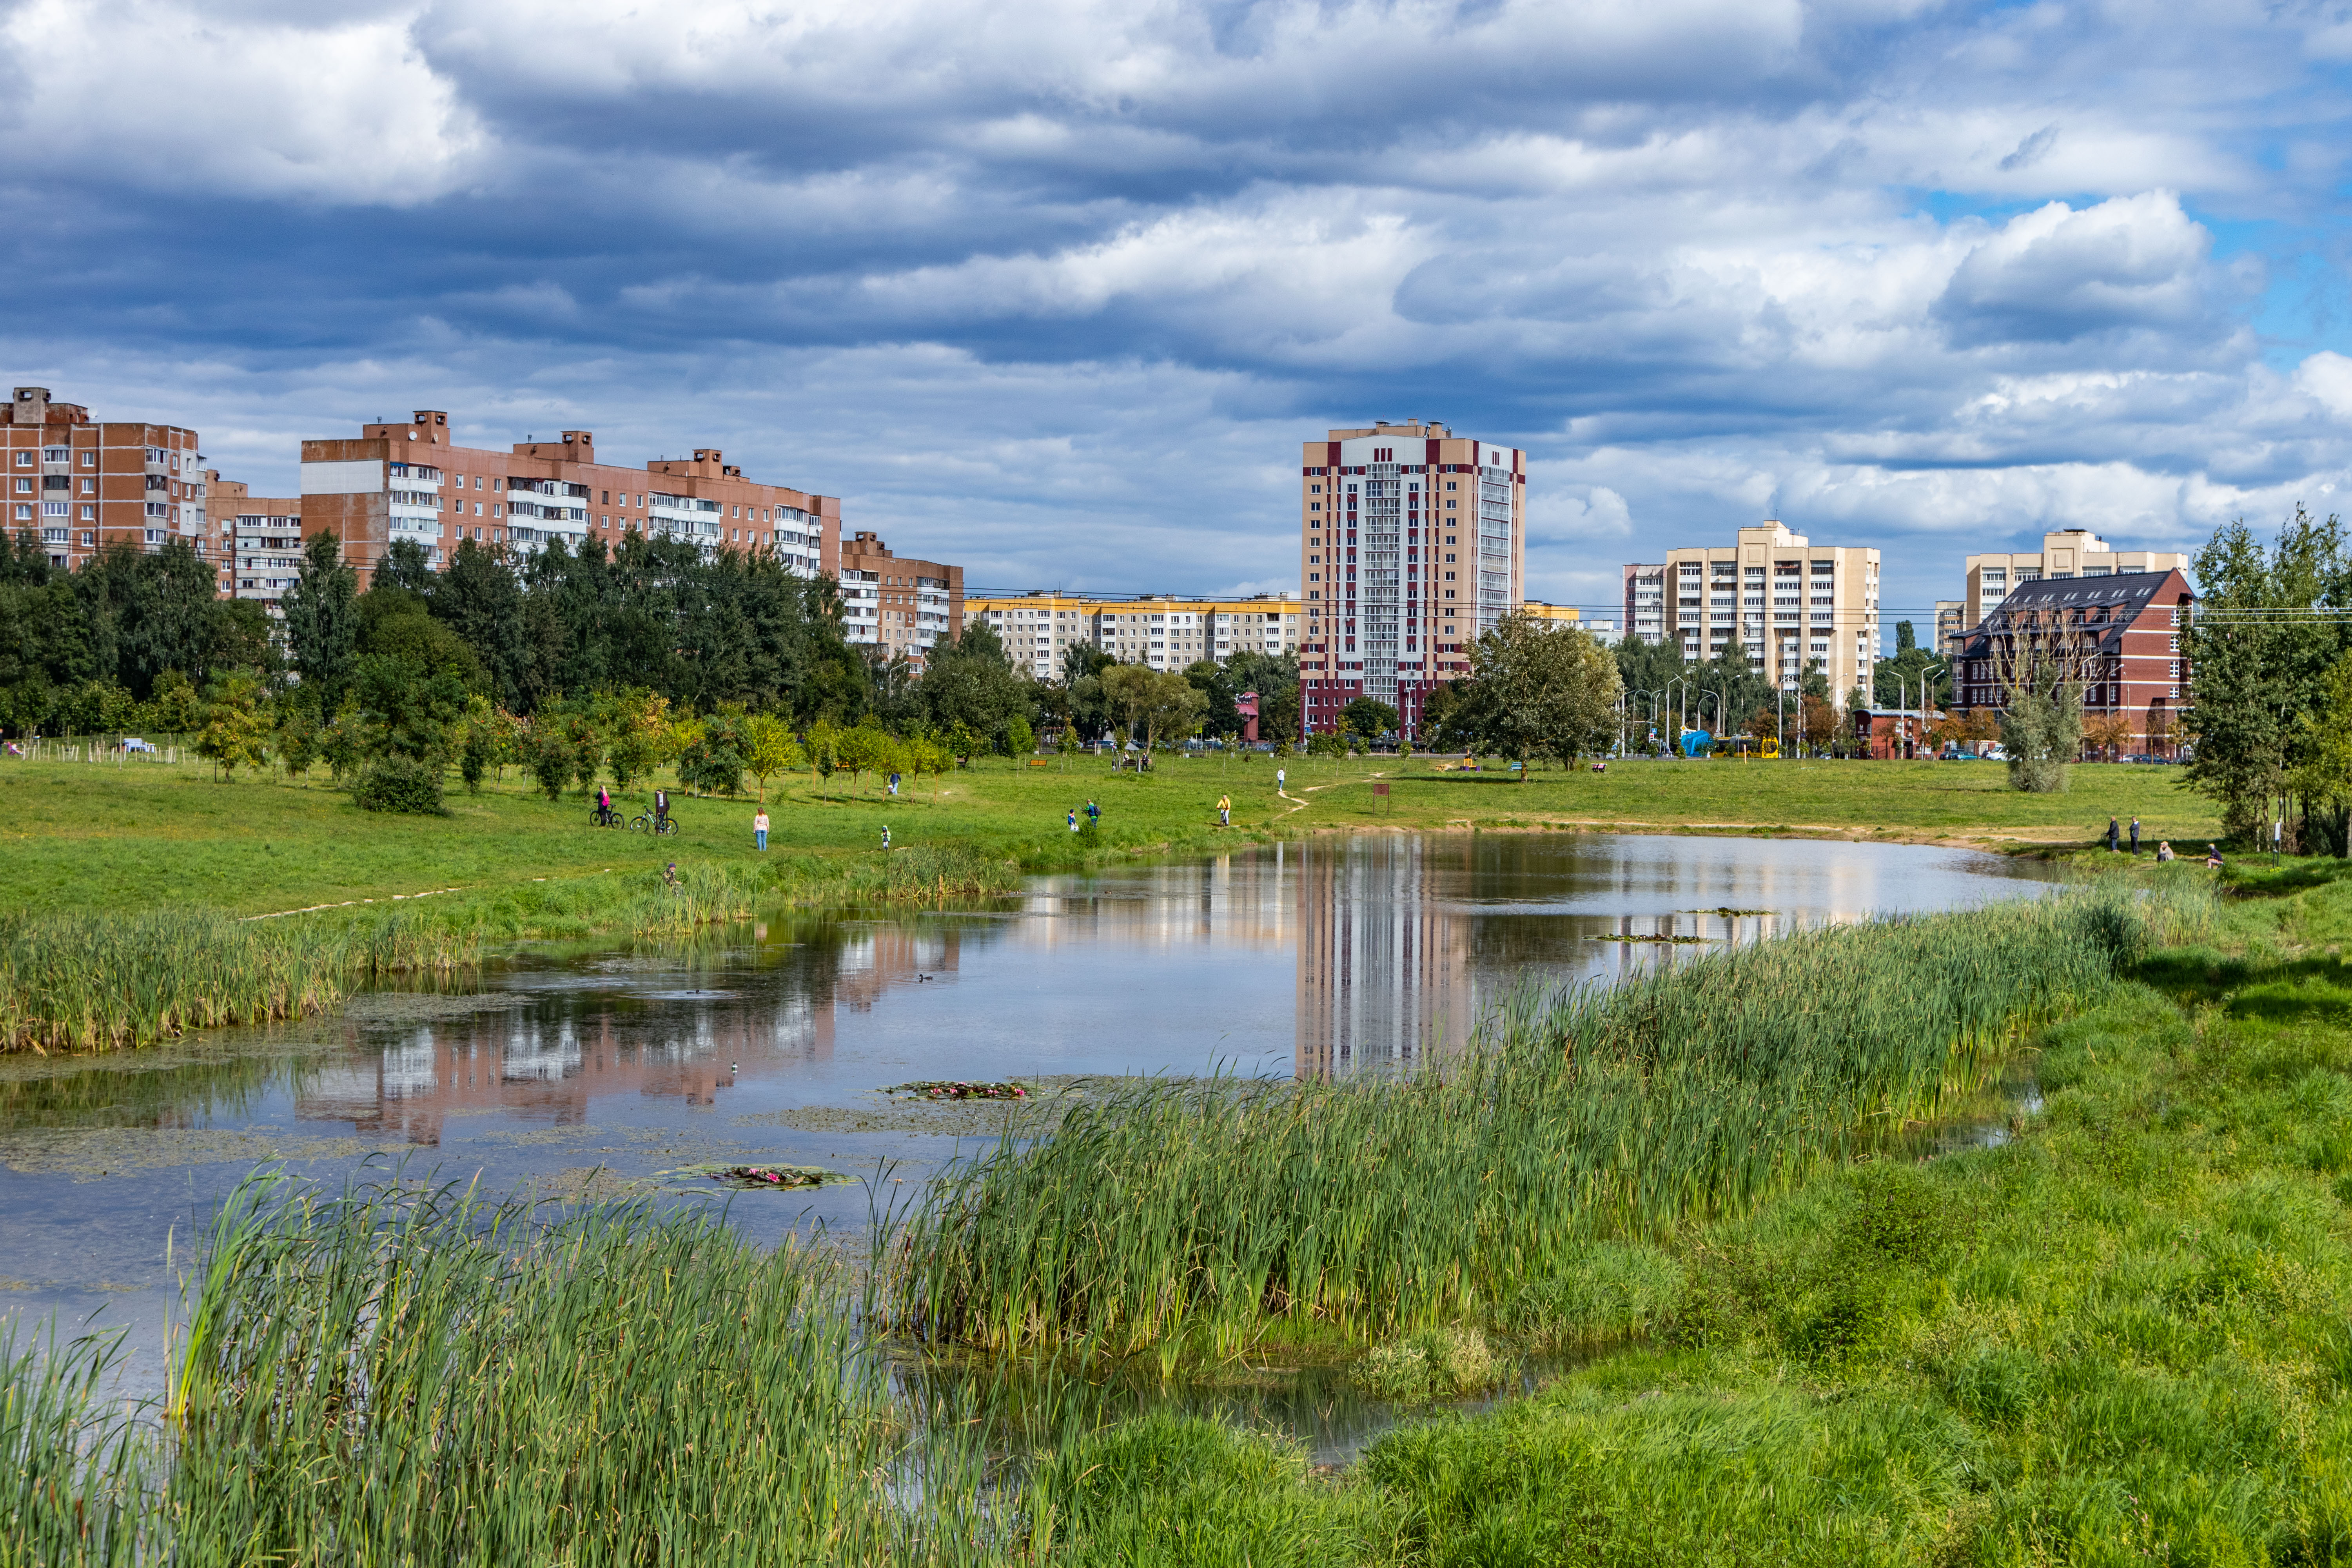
[[2118, 635]]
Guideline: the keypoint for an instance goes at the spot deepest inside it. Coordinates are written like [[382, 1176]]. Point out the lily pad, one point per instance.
[[1630, 936], [958, 1089], [762, 1178]]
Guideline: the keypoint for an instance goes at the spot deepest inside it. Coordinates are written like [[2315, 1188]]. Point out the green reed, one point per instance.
[[1178, 1217], [71, 1460], [409, 1376], [75, 982]]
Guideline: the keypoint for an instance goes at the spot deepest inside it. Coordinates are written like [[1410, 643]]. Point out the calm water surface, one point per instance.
[[772, 1040]]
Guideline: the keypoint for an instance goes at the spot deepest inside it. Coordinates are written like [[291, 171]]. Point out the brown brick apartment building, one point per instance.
[[2119, 635], [1412, 543], [81, 485], [891, 605], [410, 481]]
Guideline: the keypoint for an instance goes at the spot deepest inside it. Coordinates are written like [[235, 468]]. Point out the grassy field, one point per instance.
[[145, 836]]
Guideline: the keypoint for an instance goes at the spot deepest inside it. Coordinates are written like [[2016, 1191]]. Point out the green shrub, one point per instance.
[[552, 760], [400, 783], [1436, 1364]]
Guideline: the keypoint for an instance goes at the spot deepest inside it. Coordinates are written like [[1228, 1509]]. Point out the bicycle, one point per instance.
[[603, 816], [646, 822]]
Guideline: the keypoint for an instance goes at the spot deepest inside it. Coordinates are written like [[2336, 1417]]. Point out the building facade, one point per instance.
[[1037, 628], [1645, 602], [1783, 601], [1412, 545], [260, 538], [1948, 626], [891, 605], [81, 485], [2064, 553], [411, 481], [1161, 630], [2117, 634], [1550, 616]]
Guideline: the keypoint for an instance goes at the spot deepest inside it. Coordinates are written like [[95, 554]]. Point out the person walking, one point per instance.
[[1281, 776], [2110, 835], [2135, 835], [894, 784], [885, 836], [760, 829], [1074, 819], [1094, 813], [1225, 811], [661, 805]]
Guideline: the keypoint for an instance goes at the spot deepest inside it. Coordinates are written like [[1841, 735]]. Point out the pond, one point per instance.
[[773, 1042]]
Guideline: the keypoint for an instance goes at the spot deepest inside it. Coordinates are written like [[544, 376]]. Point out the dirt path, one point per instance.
[[1299, 803]]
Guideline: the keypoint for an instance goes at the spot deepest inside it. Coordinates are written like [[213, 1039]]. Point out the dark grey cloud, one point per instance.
[[1057, 289]]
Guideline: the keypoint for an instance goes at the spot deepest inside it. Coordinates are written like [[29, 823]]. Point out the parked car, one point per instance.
[[133, 744]]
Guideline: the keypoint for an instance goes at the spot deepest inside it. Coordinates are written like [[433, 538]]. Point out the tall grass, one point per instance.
[[1178, 1216], [71, 1461], [405, 1375], [76, 982]]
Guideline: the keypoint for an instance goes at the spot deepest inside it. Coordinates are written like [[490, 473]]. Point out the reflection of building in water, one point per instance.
[[542, 1054], [1384, 971], [1229, 900]]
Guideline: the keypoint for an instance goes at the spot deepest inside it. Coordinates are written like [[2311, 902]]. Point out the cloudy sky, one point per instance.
[[1056, 289]]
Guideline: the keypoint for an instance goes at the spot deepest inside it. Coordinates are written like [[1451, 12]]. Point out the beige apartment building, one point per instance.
[[892, 604], [1413, 544], [1779, 598], [411, 481], [1036, 628], [2064, 553], [1161, 630], [81, 485]]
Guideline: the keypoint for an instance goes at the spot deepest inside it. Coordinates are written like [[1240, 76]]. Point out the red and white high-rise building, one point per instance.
[[1411, 544], [79, 485]]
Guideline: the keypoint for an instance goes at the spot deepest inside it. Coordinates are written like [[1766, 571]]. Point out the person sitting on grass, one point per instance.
[[2164, 849]]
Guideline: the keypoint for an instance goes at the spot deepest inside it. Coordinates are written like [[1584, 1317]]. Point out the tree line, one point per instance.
[[633, 656]]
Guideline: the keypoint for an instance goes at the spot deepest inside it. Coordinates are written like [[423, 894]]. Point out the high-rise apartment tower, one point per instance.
[[1785, 602], [1412, 543]]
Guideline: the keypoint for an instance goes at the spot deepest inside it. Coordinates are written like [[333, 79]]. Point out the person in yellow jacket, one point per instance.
[[1225, 811]]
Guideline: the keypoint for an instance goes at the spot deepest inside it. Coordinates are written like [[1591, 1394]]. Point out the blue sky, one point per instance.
[[1056, 289]]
